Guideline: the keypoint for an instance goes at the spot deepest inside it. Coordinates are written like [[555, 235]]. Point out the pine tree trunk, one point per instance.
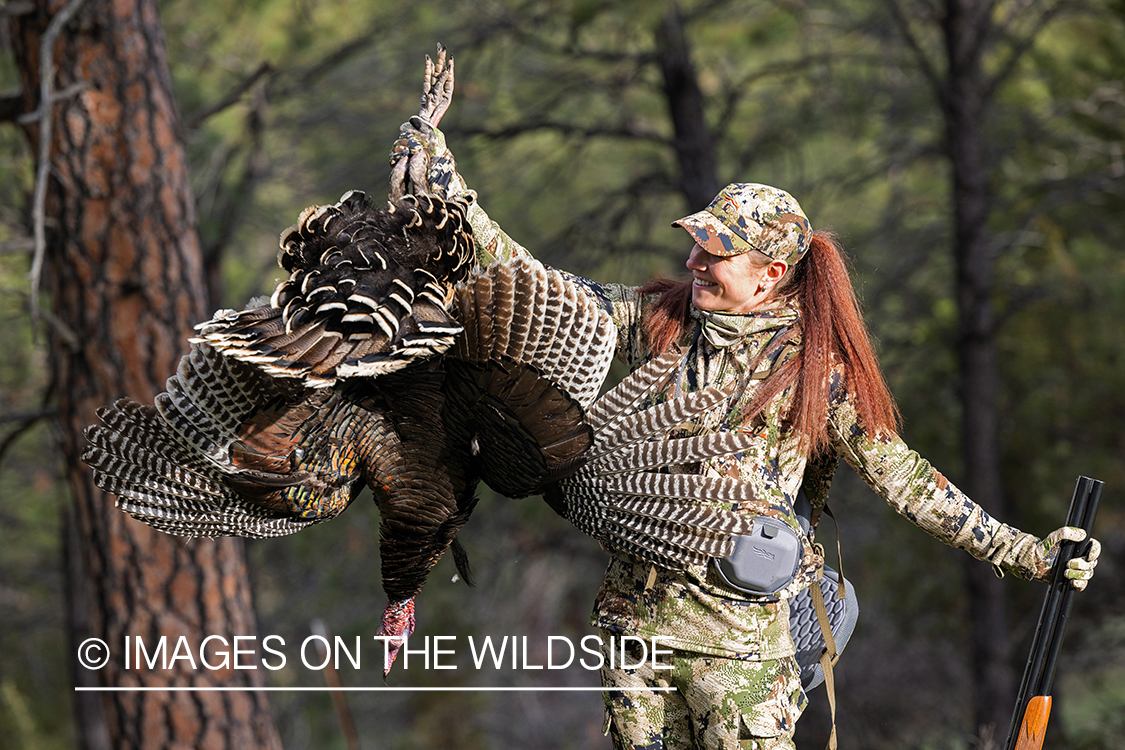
[[695, 150], [124, 275], [966, 28]]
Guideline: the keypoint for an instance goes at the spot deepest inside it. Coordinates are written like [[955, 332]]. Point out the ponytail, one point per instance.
[[834, 333]]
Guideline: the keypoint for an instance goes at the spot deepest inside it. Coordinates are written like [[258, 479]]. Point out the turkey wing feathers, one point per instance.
[[671, 519], [524, 313], [227, 451], [532, 356]]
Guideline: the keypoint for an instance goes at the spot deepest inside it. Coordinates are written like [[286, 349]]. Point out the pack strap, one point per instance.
[[841, 592], [830, 656]]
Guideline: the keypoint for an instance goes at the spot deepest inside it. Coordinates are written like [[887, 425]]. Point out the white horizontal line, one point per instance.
[[364, 689]]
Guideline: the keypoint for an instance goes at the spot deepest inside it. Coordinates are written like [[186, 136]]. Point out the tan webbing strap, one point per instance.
[[814, 519], [829, 657], [651, 577], [841, 592]]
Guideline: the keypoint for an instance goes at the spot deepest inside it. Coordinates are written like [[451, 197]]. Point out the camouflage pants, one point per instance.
[[718, 704]]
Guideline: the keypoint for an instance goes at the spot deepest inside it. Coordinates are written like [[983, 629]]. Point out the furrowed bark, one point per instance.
[[124, 274]]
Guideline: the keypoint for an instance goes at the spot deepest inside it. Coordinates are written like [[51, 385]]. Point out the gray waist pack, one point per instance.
[[766, 561]]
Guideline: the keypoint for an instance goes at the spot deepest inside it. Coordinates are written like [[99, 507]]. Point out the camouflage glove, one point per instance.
[[421, 163], [1032, 558]]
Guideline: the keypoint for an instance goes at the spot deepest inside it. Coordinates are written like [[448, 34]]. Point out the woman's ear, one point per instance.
[[776, 269], [773, 274]]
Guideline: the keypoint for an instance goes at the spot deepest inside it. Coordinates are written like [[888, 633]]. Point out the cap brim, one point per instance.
[[712, 235]]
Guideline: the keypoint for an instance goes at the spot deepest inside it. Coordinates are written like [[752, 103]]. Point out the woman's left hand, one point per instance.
[[420, 162], [1039, 557], [1080, 569]]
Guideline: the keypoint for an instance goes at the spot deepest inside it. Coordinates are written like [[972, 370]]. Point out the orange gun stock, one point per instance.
[[1034, 726]]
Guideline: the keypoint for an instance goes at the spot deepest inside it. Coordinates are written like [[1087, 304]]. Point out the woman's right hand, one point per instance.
[[420, 162]]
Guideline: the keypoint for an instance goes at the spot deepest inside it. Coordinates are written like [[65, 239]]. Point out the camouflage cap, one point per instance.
[[746, 216]]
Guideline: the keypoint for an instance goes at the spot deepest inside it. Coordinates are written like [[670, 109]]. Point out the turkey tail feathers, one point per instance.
[[627, 394], [368, 292]]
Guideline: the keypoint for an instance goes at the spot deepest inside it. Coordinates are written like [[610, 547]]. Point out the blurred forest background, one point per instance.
[[968, 152]]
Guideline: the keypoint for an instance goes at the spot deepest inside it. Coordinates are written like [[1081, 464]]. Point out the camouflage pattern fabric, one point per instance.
[[718, 703], [747, 216]]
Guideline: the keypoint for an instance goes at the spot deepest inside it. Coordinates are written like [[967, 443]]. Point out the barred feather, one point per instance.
[[629, 393], [620, 496], [658, 419], [654, 550], [674, 452], [670, 532], [517, 381], [526, 314], [699, 487], [688, 511]]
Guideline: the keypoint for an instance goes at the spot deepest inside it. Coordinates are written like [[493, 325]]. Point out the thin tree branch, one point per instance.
[[229, 205], [15, 435], [298, 80], [46, 120], [1019, 48], [691, 15], [17, 246], [739, 91], [71, 90], [927, 67], [28, 416], [27, 420], [640, 59], [65, 332], [332, 679], [198, 117], [565, 128], [1057, 193]]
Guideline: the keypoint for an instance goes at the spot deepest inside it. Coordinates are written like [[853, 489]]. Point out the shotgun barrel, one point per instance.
[[1033, 703]]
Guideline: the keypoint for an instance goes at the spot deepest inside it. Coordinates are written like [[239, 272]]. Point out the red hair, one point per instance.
[[833, 332]]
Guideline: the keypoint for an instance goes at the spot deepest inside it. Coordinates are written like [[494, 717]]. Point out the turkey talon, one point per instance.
[[437, 87]]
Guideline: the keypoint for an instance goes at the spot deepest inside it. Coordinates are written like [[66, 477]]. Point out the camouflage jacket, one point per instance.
[[695, 610]]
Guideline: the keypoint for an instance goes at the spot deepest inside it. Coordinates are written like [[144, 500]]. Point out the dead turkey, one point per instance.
[[388, 360]]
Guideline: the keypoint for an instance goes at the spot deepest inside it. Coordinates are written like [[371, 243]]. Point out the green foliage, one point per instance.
[[34, 680]]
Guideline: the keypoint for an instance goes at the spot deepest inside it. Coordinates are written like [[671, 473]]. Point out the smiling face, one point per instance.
[[734, 283]]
